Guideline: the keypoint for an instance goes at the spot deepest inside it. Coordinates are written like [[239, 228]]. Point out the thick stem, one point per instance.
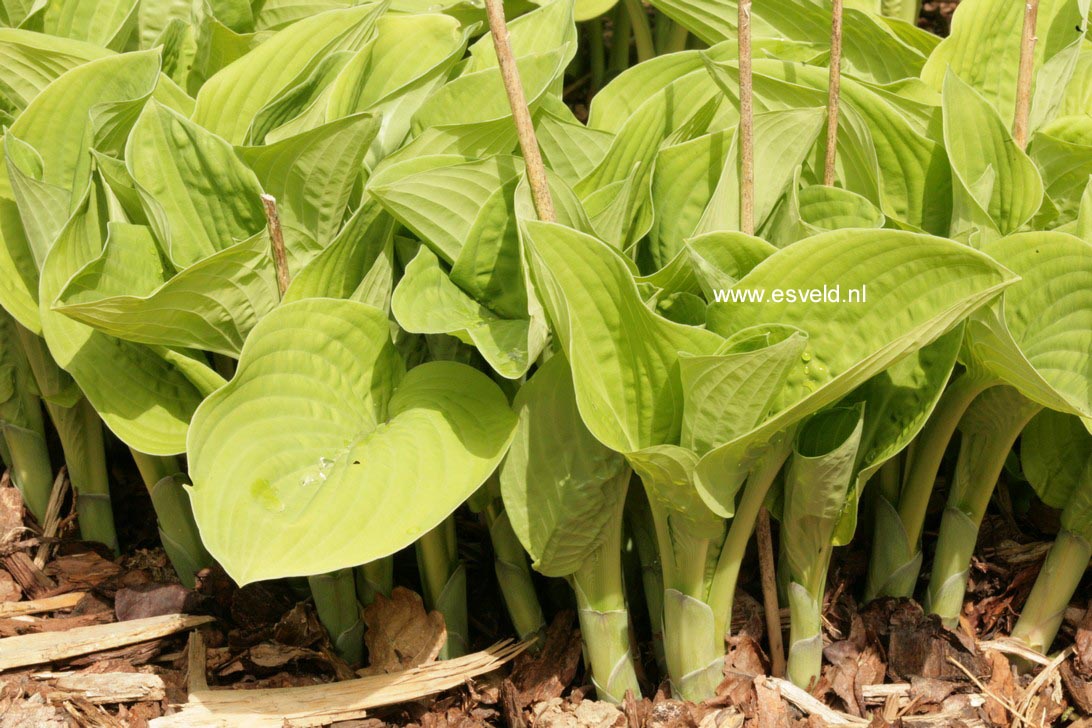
[[619, 45], [1024, 76], [833, 92], [374, 578], [443, 580], [643, 531], [1054, 587], [597, 54], [746, 122], [80, 432], [982, 455], [514, 576], [693, 648], [339, 612], [642, 32], [174, 515], [895, 562], [604, 617], [31, 470], [676, 42], [805, 635], [525, 129], [726, 577]]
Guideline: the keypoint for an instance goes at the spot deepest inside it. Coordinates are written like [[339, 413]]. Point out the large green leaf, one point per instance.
[[211, 305], [983, 49], [143, 396], [1038, 338], [31, 61], [561, 486], [301, 464], [427, 301], [817, 484], [312, 174], [624, 357], [106, 23], [871, 50], [997, 188], [199, 196], [1063, 152], [1055, 451], [229, 101], [916, 287]]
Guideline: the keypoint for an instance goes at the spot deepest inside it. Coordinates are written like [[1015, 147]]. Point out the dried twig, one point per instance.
[[525, 128], [38, 606], [196, 679], [276, 239], [52, 525], [746, 123], [834, 89], [1003, 702], [43, 647], [811, 705], [1024, 75], [314, 705], [769, 593]]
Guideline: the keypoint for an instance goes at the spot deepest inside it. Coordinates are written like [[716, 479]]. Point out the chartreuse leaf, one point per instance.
[[916, 287], [340, 269], [1063, 152], [278, 14], [817, 484], [410, 58], [898, 402], [211, 305], [51, 155], [199, 196], [815, 209], [229, 101], [144, 398], [313, 173], [465, 209], [624, 357], [426, 301], [983, 49], [302, 471], [18, 270], [92, 104], [997, 188], [1055, 450], [106, 23], [31, 61], [871, 50], [1038, 338], [913, 175], [782, 142], [561, 486], [443, 198]]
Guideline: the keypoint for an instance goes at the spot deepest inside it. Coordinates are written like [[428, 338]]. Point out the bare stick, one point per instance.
[[525, 129], [834, 89], [746, 123], [276, 237], [1023, 78], [769, 593]]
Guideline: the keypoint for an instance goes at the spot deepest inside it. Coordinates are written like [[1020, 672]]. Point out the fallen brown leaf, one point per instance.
[[401, 634], [152, 600], [855, 662], [1001, 690]]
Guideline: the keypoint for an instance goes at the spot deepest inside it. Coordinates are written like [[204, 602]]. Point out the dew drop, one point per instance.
[[263, 492], [806, 356]]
